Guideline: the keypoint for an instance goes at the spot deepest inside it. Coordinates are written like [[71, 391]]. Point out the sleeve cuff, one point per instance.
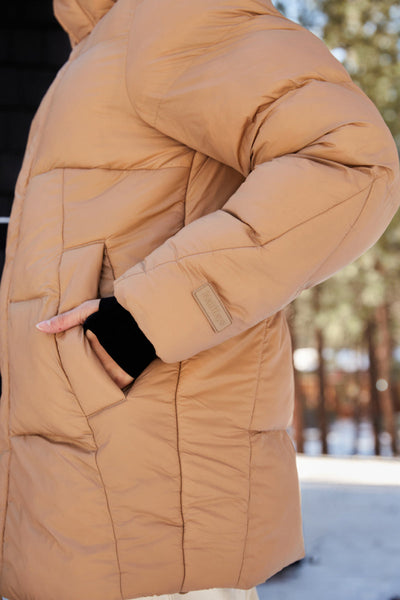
[[121, 337]]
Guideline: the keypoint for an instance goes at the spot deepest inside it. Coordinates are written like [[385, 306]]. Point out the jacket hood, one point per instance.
[[79, 17]]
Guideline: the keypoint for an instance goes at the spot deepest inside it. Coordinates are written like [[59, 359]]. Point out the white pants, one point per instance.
[[210, 594]]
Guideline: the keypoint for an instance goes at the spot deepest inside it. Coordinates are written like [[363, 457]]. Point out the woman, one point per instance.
[[193, 167]]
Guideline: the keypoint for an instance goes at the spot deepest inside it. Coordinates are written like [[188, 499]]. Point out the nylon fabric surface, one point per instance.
[[207, 145]]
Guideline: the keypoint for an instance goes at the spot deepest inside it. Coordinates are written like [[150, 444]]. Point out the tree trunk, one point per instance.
[[384, 347], [373, 377], [298, 418], [298, 413], [322, 420], [357, 416]]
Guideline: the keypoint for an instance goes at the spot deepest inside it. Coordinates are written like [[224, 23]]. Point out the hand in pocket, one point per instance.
[[117, 374], [77, 316]]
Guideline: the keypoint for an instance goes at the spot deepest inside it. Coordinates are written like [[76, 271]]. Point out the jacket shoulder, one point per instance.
[[215, 49]]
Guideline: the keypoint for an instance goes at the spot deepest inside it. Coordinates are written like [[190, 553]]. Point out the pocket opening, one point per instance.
[[81, 269]]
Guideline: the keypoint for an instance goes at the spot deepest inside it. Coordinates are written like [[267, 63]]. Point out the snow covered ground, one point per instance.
[[344, 438], [351, 524]]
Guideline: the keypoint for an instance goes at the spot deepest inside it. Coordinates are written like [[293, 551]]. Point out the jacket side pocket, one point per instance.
[[80, 275]]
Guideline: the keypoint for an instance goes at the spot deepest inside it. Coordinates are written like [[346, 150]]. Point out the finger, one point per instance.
[[70, 318], [119, 376]]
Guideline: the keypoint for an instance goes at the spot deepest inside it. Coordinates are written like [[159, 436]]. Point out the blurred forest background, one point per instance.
[[346, 331]]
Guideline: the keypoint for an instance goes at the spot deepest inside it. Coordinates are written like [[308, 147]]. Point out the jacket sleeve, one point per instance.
[[321, 186]]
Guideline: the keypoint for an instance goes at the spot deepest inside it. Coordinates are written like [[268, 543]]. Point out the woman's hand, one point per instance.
[[77, 316]]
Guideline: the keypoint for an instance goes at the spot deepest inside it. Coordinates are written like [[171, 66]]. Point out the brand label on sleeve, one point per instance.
[[212, 306]]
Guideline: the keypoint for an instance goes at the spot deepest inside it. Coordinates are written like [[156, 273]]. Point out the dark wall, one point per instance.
[[33, 47]]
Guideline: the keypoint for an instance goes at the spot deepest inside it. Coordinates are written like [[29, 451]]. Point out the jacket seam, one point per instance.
[[105, 168], [90, 20], [261, 354], [75, 395], [129, 34], [264, 340], [108, 257], [86, 13], [180, 473], [347, 232], [7, 492], [83, 245], [250, 247], [201, 166], [98, 411], [121, 179], [100, 476], [31, 299], [188, 184], [108, 510]]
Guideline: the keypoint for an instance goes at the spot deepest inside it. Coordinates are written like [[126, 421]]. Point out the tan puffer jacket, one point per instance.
[[206, 161]]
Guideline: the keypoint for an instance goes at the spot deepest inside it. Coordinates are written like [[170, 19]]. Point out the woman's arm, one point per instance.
[[321, 187]]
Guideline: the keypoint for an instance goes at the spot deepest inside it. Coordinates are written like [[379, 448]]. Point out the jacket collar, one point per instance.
[[79, 17]]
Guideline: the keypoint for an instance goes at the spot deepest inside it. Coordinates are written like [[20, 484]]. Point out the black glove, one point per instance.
[[120, 335]]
